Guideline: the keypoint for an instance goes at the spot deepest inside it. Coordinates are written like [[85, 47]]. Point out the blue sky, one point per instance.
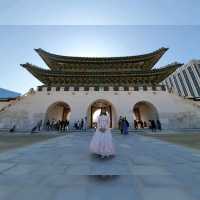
[[100, 12], [18, 42], [127, 27]]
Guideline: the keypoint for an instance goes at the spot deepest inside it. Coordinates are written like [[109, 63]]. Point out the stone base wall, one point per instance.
[[173, 111]]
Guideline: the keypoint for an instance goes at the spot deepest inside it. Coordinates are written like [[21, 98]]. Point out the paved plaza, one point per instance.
[[62, 168]]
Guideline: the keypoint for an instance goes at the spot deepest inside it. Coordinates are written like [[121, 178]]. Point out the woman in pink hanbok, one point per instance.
[[101, 143]]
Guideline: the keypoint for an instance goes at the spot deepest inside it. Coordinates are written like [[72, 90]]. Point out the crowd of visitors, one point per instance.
[[63, 125], [151, 124], [81, 124], [60, 125], [123, 124]]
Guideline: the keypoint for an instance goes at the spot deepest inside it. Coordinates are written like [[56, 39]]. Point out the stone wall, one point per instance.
[[173, 111]]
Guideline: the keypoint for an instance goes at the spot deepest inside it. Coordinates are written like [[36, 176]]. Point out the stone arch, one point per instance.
[[94, 110], [145, 111], [58, 111]]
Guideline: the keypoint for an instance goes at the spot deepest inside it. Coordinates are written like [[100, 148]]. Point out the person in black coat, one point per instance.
[[135, 124], [12, 129], [153, 125], [48, 125], [159, 125]]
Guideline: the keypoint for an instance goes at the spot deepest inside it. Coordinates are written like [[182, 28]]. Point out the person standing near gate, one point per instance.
[[48, 125], [159, 125], [120, 124], [82, 124], [67, 125], [39, 124], [85, 123], [125, 126]]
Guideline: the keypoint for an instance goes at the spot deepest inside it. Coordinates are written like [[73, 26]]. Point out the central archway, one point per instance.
[[58, 111], [95, 109]]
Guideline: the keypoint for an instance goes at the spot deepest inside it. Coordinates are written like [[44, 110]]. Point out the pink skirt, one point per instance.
[[102, 144]]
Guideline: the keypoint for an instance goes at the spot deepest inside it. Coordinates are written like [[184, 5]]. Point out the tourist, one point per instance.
[[153, 126], [78, 124], [13, 128], [125, 125], [141, 124], [67, 125], [57, 124], [85, 123], [101, 143], [39, 124], [135, 124], [62, 125], [75, 124], [33, 130], [159, 126], [48, 125], [82, 124], [120, 124], [53, 124]]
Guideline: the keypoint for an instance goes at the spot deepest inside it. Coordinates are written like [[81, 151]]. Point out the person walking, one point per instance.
[[39, 124], [125, 126]]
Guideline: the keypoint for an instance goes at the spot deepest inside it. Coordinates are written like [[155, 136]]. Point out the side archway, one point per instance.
[[58, 111], [145, 111], [94, 110]]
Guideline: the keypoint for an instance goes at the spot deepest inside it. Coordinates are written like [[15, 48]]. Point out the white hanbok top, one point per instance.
[[103, 122]]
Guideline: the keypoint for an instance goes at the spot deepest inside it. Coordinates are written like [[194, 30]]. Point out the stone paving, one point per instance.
[[62, 168]]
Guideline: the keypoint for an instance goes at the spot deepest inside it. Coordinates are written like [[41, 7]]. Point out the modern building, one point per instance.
[[79, 87], [7, 98], [185, 81]]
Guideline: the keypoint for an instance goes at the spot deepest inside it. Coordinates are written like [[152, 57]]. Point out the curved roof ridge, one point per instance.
[[41, 52]]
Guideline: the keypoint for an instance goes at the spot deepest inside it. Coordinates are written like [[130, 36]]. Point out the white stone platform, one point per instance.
[[62, 168]]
